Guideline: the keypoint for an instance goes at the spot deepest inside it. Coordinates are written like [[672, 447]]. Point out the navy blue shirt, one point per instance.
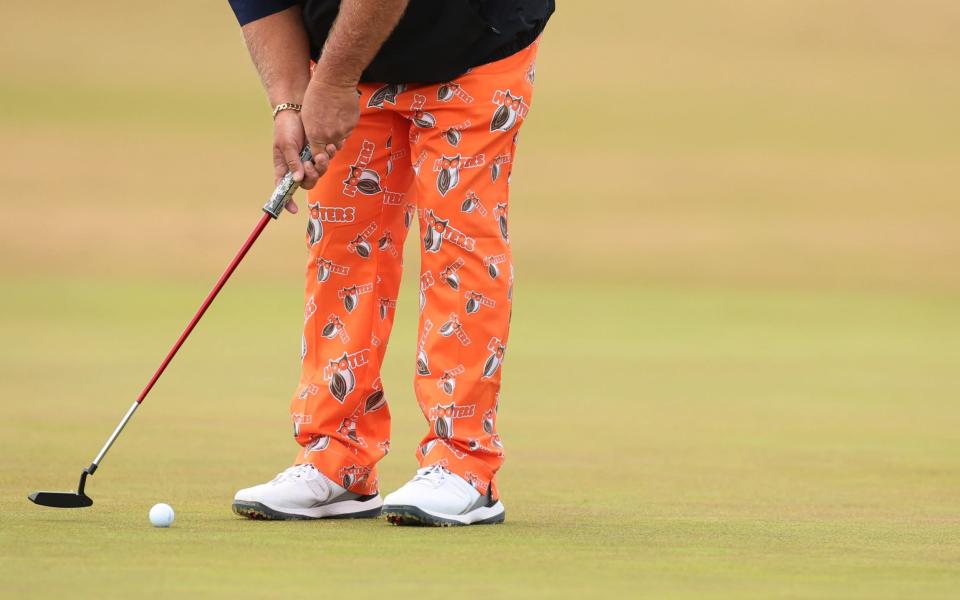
[[435, 40]]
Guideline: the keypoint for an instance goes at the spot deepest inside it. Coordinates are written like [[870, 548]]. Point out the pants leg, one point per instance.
[[357, 222], [462, 144]]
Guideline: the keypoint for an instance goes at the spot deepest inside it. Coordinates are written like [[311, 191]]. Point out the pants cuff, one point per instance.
[[340, 464]]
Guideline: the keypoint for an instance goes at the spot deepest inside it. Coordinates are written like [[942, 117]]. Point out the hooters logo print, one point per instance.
[[376, 400], [475, 300], [423, 363], [359, 176], [448, 169], [339, 373], [335, 328], [386, 94], [435, 228], [443, 417], [325, 267], [319, 444], [449, 175], [348, 429], [488, 421], [450, 274], [342, 380], [448, 91], [453, 327], [351, 295], [454, 133], [353, 475], [510, 110], [420, 117], [495, 359], [314, 225], [366, 181], [359, 245], [448, 379], [501, 213]]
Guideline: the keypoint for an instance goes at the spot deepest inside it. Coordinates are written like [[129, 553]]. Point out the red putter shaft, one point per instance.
[[206, 303]]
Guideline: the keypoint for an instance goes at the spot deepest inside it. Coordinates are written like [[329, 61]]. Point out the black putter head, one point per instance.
[[61, 499], [65, 499]]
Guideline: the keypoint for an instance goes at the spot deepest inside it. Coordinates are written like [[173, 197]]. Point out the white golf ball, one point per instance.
[[161, 515]]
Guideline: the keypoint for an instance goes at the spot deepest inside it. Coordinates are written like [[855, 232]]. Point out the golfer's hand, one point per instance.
[[288, 139], [330, 112]]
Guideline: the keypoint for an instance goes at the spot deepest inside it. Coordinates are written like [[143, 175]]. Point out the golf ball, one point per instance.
[[161, 515]]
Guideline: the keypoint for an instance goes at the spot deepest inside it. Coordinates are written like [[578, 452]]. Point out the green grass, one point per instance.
[[678, 443], [733, 368]]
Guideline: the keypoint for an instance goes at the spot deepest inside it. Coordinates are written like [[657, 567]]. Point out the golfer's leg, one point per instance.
[[465, 144], [355, 238]]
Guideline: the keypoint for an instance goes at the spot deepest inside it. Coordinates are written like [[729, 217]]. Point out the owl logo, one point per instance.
[[365, 180], [488, 418], [494, 360], [507, 113], [426, 448], [314, 225], [450, 277], [447, 383], [352, 475], [501, 213], [324, 268], [474, 300], [453, 136], [450, 327], [319, 444], [360, 245], [446, 91], [423, 363], [351, 297], [424, 119], [449, 175], [443, 425], [343, 381], [374, 402], [387, 93], [332, 328], [348, 429], [408, 212], [435, 229]]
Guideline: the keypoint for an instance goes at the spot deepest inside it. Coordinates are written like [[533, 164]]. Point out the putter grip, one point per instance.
[[285, 189]]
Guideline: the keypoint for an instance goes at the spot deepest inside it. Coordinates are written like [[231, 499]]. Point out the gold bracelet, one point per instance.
[[286, 106]]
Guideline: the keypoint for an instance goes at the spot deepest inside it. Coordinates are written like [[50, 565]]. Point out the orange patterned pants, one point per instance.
[[441, 155]]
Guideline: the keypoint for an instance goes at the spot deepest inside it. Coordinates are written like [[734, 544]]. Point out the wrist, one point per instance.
[[330, 76]]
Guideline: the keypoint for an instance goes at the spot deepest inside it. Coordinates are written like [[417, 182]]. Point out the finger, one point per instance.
[[279, 166], [291, 159], [292, 207], [331, 150], [321, 162], [341, 143], [310, 176]]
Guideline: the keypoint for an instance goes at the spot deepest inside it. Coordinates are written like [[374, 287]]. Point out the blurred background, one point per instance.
[[736, 346]]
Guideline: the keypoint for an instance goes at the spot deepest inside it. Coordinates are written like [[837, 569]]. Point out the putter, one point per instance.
[[272, 209]]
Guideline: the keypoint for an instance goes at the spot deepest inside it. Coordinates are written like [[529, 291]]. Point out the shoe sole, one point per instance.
[[261, 512], [412, 516]]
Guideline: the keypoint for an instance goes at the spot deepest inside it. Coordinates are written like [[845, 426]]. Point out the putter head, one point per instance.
[[76, 499], [61, 499]]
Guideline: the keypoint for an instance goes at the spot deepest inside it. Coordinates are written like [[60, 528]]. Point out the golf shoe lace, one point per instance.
[[433, 476], [306, 472]]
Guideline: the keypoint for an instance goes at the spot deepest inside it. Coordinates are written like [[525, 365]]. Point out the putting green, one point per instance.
[[733, 368]]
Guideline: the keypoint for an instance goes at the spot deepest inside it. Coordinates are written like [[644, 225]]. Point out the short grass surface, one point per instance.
[[677, 443], [733, 371]]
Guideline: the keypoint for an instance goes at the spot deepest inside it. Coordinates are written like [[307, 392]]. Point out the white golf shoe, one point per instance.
[[437, 497], [303, 492]]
